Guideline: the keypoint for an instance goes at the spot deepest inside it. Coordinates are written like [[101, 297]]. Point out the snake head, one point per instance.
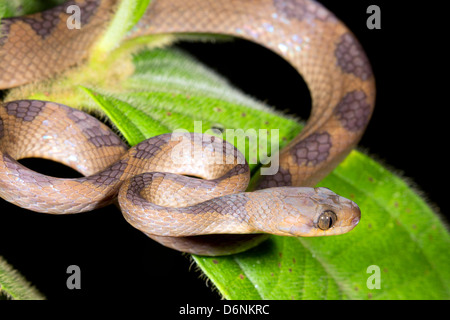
[[312, 212]]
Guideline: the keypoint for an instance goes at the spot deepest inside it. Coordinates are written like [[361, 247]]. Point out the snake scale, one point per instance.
[[158, 195]]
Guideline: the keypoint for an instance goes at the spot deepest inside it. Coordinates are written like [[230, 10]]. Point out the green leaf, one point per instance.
[[13, 286]]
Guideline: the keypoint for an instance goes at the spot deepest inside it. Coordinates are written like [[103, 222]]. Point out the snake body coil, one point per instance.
[[181, 212]]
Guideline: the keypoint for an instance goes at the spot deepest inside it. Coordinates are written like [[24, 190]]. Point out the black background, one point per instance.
[[407, 132]]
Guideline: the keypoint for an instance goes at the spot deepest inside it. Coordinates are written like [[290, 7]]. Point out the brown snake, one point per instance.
[[181, 212]]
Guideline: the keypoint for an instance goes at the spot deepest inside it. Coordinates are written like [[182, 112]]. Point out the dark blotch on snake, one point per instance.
[[234, 205], [88, 10], [93, 130], [312, 150], [136, 185], [235, 171], [45, 22], [351, 57], [26, 110], [353, 111], [303, 10], [148, 148]]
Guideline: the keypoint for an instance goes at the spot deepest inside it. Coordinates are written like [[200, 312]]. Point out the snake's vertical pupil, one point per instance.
[[326, 220]]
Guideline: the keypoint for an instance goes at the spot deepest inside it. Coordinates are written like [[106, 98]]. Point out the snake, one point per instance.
[[188, 192]]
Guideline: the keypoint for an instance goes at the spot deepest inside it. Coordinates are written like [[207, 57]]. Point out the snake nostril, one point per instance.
[[355, 221], [326, 220]]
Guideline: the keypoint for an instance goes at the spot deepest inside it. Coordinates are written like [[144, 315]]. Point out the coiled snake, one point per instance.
[[186, 213]]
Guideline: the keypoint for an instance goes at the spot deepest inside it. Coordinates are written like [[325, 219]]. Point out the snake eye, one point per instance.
[[326, 220]]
